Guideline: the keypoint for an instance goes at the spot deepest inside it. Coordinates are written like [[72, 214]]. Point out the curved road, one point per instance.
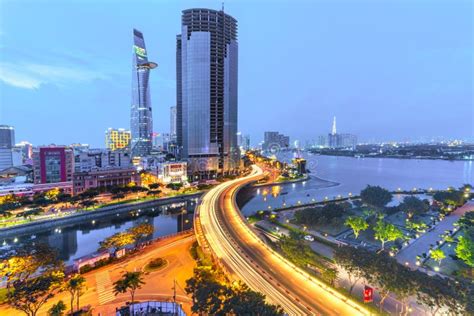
[[222, 231]]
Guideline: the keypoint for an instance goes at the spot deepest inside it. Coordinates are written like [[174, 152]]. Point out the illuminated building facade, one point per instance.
[[174, 172], [116, 139], [141, 122], [207, 54]]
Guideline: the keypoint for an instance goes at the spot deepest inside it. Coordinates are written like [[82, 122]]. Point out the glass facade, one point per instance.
[[7, 136], [207, 53], [141, 112]]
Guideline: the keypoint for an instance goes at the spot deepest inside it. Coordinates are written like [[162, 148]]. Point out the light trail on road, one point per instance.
[[223, 231]]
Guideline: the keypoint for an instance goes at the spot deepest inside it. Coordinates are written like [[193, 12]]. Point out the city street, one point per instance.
[[223, 232], [158, 286]]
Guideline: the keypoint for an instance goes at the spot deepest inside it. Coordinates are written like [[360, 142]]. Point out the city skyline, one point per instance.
[[413, 54]]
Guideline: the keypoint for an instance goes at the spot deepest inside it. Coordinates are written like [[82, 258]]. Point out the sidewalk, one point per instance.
[[422, 244]]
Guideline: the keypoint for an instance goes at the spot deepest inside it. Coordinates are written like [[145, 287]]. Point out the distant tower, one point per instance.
[[141, 123], [333, 132]]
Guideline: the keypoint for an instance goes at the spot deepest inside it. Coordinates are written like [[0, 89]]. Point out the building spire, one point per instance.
[[333, 132]]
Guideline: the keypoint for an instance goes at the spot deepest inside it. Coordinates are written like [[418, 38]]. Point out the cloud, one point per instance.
[[33, 75], [10, 76]]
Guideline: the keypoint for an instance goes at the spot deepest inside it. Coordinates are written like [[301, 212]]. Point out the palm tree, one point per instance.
[[75, 286], [130, 281]]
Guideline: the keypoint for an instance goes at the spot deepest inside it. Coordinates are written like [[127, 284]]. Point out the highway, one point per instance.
[[222, 231]]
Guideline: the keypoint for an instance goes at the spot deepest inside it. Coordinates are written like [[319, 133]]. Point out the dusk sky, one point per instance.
[[388, 70]]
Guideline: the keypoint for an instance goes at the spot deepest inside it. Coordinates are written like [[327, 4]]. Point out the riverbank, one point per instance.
[[360, 155], [304, 178], [80, 216]]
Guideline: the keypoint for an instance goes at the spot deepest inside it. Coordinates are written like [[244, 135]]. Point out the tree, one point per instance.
[[212, 296], [375, 196], [436, 292], [154, 186], [386, 232], [451, 197], [130, 281], [76, 286], [33, 276], [57, 309], [467, 220], [117, 241], [141, 231], [207, 293], [352, 261], [412, 205], [174, 186], [244, 301], [357, 224], [465, 250], [52, 194], [438, 255]]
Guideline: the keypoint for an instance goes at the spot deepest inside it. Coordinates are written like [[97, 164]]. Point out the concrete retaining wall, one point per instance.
[[33, 227]]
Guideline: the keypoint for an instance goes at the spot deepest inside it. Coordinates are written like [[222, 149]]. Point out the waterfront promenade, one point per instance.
[[422, 244]]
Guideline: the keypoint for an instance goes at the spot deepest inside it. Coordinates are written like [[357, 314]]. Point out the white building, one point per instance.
[[174, 172]]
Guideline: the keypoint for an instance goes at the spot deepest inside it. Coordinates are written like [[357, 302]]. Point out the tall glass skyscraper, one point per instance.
[[206, 66], [141, 123]]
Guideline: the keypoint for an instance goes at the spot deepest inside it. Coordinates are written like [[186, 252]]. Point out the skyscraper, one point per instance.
[[335, 140], [173, 123], [141, 123], [274, 142], [7, 141], [207, 53]]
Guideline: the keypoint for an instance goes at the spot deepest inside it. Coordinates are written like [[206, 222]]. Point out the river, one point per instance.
[[331, 176], [83, 238]]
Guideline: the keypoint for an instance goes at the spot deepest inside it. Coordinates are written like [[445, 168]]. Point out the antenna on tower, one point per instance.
[[222, 6], [334, 126]]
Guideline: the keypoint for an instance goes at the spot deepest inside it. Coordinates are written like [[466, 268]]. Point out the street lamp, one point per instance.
[[183, 212]]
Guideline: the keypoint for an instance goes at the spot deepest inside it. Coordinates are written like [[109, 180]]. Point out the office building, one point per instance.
[[173, 121], [243, 141], [7, 140], [53, 164], [346, 140], [7, 136], [83, 181], [98, 159], [174, 172], [322, 141], [117, 139], [162, 141], [274, 142], [141, 123], [26, 151], [207, 53]]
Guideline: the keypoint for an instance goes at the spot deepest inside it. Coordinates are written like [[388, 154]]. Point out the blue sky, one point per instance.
[[389, 70]]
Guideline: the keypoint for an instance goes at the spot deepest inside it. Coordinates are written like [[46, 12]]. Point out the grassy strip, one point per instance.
[[301, 232]]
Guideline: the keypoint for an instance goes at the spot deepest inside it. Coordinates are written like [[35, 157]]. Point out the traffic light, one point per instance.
[[368, 294]]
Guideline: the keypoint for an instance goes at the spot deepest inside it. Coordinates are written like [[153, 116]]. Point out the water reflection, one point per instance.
[[343, 176], [83, 238]]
